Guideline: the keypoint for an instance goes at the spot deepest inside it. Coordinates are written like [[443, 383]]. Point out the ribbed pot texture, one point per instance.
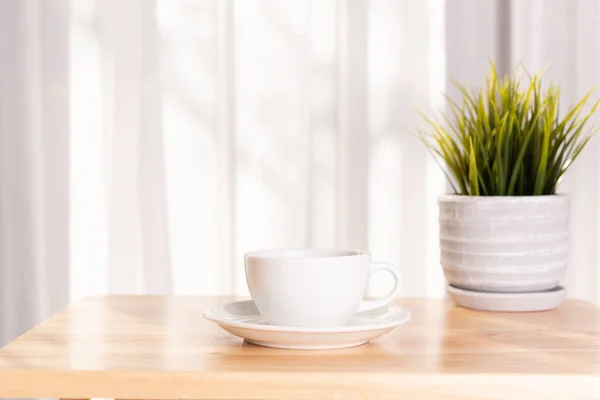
[[504, 244]]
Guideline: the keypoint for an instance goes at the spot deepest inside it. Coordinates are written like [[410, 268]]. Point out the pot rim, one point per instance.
[[460, 198]]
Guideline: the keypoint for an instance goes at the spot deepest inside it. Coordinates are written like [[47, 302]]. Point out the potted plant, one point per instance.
[[504, 232]]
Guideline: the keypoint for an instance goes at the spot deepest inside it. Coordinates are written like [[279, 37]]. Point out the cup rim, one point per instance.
[[307, 253]]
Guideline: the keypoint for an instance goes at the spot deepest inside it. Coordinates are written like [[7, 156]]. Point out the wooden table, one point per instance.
[[129, 347]]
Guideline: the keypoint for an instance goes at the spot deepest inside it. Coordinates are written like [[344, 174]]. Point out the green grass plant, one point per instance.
[[506, 138]]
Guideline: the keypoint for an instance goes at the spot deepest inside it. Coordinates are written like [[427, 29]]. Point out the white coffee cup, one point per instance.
[[313, 287]]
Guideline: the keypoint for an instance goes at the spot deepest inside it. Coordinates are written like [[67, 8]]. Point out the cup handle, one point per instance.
[[368, 305]]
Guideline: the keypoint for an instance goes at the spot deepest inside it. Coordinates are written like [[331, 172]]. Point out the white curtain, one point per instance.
[[145, 145], [34, 162]]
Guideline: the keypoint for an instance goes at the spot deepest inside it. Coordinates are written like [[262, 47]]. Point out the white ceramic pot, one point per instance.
[[504, 244]]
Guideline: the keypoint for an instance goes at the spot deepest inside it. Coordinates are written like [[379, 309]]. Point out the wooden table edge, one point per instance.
[[159, 385]]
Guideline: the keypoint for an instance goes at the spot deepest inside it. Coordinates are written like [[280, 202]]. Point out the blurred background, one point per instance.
[[145, 145]]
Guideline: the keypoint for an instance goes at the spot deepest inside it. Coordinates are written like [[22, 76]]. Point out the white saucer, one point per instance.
[[508, 302], [243, 319]]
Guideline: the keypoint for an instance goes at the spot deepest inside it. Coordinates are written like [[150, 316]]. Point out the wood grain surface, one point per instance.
[[153, 347]]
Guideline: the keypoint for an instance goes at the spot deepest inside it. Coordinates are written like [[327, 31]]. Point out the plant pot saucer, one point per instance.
[[508, 302]]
